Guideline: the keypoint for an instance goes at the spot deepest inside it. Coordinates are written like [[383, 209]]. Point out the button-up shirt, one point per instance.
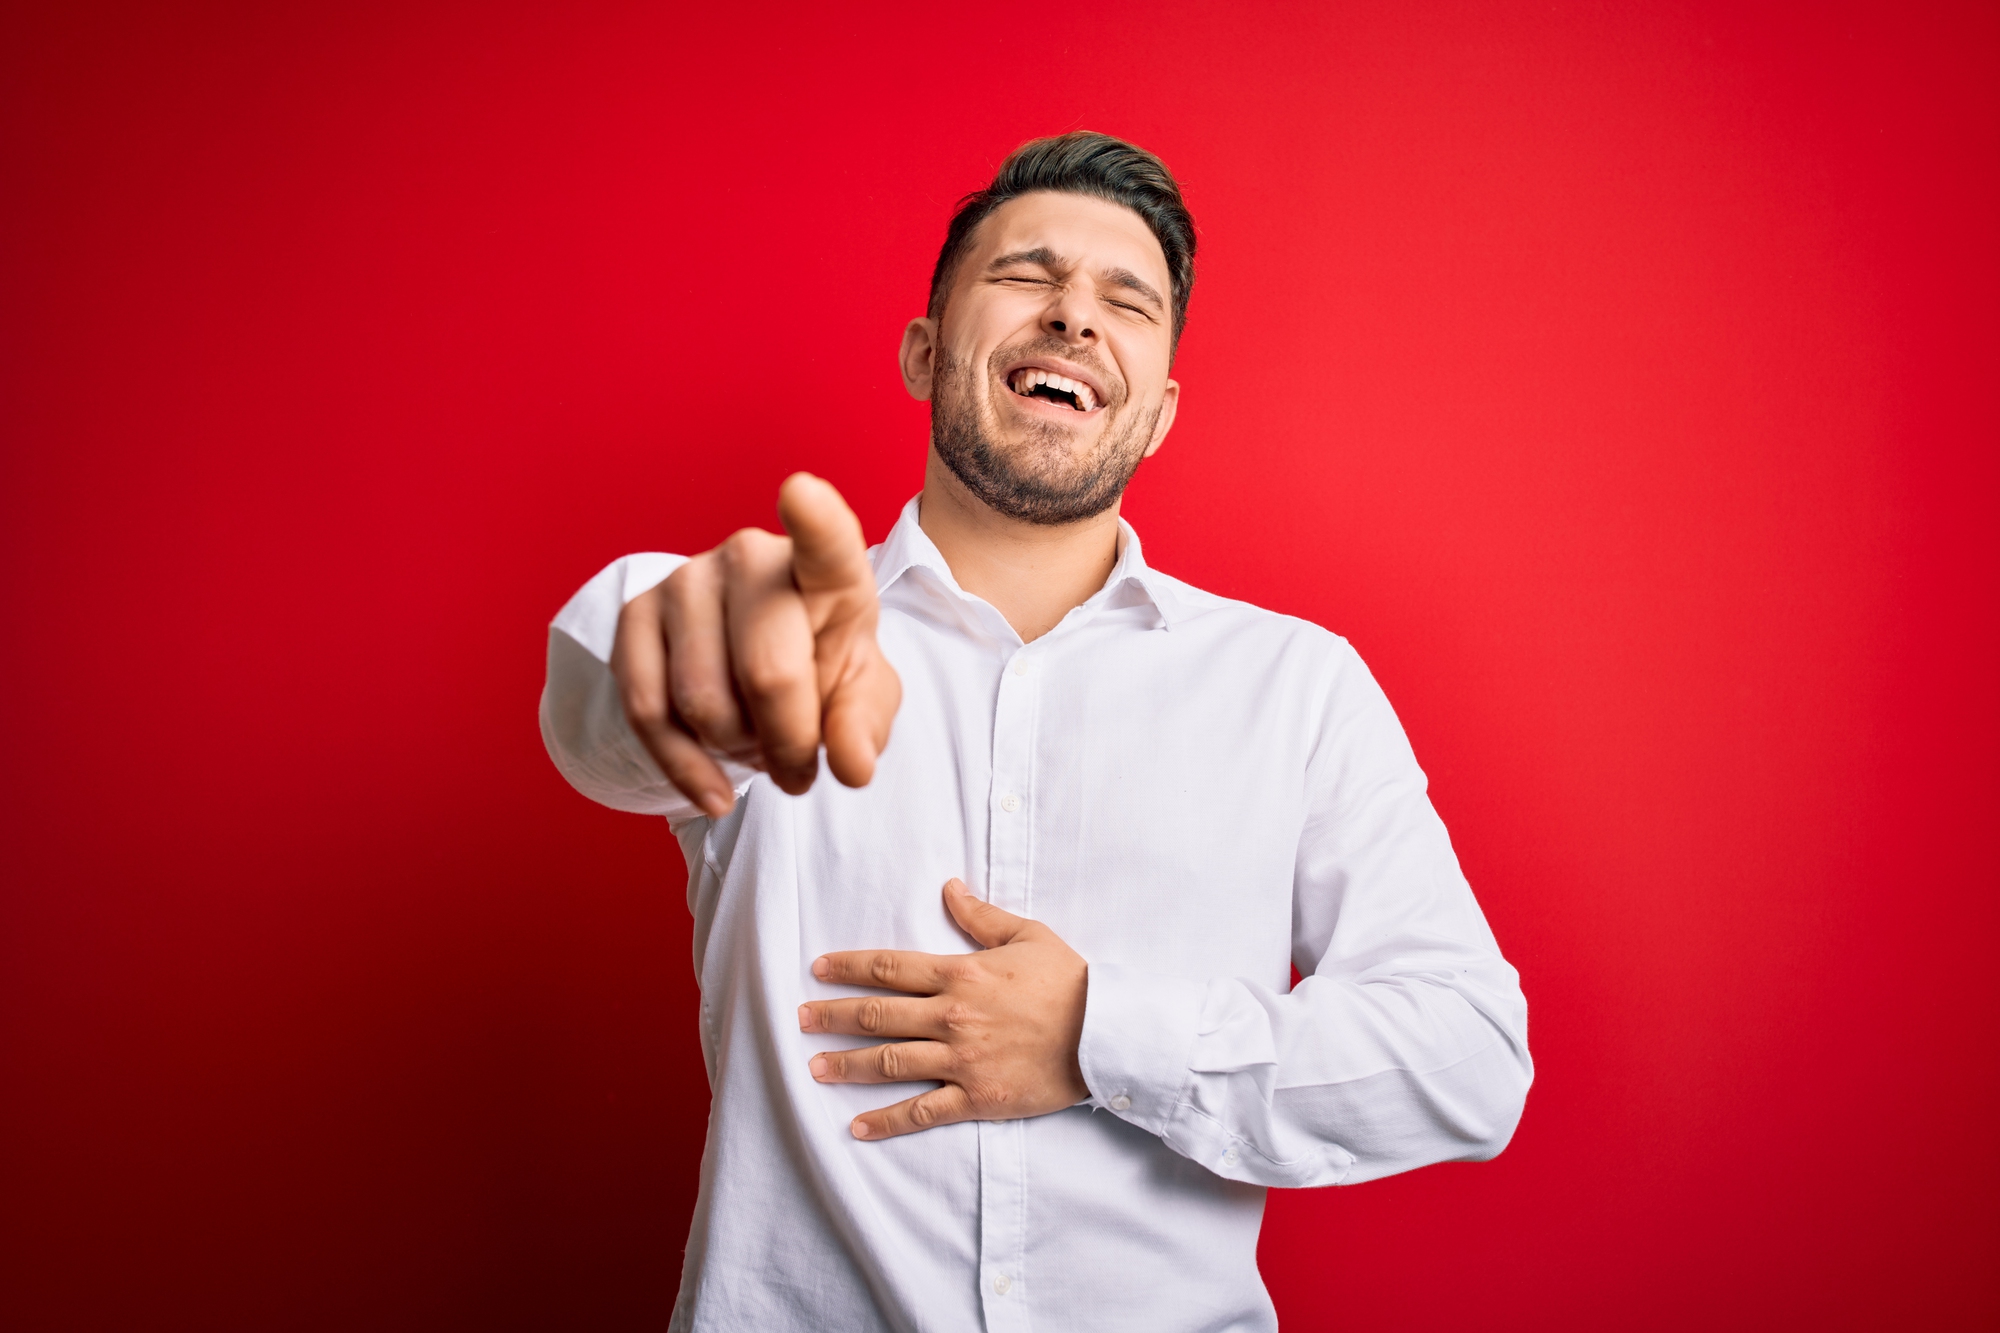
[[1198, 796]]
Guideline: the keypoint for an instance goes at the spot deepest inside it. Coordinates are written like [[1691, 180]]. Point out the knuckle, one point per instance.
[[731, 555], [767, 676], [870, 1016], [702, 708], [882, 967], [692, 583], [924, 1113], [747, 547], [645, 709], [958, 1017], [989, 1093], [891, 1062], [634, 614]]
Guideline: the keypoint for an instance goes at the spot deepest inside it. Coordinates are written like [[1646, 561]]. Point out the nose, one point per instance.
[[1069, 318]]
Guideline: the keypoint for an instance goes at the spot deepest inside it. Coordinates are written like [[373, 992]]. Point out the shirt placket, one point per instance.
[[1003, 1163]]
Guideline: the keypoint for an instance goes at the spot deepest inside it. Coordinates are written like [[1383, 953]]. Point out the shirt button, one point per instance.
[[1020, 666], [1229, 1158], [1121, 1103], [1010, 803], [1001, 1283]]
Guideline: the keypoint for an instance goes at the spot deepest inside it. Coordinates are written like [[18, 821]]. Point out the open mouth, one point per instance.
[[1052, 388]]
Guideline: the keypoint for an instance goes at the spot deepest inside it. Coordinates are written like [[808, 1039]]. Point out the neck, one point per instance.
[[1031, 573]]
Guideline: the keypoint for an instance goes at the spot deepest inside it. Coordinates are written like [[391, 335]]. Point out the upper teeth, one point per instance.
[[1026, 380]]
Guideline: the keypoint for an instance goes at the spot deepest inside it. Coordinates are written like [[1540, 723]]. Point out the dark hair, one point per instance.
[[1082, 162]]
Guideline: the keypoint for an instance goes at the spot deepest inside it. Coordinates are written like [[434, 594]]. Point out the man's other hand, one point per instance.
[[762, 649], [999, 1028]]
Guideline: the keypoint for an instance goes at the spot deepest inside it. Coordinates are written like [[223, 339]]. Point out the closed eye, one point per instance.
[[1140, 311]]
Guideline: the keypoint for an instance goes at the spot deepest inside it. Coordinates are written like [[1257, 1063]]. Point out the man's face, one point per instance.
[[1047, 373]]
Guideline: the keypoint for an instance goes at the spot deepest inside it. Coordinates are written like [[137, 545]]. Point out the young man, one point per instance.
[[1144, 805]]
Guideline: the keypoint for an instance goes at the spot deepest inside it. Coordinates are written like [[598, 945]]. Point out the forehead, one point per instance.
[[1081, 228]]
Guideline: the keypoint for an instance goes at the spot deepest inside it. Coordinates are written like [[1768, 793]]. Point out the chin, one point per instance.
[[1045, 452]]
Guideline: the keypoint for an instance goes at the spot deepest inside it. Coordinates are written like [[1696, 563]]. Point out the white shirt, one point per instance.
[[1197, 795]]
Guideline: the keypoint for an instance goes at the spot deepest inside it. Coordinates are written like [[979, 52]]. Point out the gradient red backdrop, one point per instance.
[[1620, 378]]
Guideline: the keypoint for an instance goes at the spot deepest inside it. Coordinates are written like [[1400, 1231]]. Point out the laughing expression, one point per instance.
[[1062, 302]]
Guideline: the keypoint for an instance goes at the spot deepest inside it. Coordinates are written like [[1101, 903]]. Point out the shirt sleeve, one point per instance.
[[583, 719], [1405, 1041]]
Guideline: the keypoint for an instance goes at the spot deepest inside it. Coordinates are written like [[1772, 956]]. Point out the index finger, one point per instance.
[[891, 969], [829, 554]]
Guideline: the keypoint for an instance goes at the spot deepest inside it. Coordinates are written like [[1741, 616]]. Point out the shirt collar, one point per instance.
[[909, 547]]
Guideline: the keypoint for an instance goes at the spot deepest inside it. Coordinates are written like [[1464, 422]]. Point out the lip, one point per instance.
[[1057, 366]]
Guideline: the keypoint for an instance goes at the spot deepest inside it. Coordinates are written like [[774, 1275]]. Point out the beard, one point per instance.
[[1038, 480]]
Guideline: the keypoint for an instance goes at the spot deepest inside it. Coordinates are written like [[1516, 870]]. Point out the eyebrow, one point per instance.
[[1049, 259], [1126, 278]]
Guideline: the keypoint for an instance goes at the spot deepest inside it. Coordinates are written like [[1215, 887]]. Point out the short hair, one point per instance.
[[1081, 162]]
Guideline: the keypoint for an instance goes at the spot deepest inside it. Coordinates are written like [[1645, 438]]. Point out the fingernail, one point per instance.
[[860, 1128], [818, 1066], [805, 1018], [716, 804], [819, 968], [957, 886]]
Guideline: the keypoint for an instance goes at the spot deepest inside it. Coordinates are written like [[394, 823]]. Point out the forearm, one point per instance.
[[1337, 1082], [1405, 1044]]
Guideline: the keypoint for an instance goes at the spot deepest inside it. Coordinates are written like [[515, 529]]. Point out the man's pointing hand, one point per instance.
[[762, 649]]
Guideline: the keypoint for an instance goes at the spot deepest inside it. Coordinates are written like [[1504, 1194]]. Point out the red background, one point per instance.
[[1621, 379]]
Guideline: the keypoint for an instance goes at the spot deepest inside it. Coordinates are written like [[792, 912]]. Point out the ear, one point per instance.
[[918, 357], [1170, 404]]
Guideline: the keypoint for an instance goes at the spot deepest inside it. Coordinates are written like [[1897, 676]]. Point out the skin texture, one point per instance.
[[764, 648], [994, 1026], [1072, 297]]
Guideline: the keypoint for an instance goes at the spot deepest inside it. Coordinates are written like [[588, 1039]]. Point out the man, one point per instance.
[[1054, 1097]]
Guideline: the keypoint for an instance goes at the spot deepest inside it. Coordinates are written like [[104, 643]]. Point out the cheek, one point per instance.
[[1145, 375], [1000, 320]]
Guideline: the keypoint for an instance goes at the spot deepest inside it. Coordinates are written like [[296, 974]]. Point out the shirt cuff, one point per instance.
[[591, 617], [1138, 1033]]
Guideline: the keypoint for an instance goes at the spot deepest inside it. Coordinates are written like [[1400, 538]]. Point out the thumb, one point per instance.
[[857, 719], [828, 552], [991, 926]]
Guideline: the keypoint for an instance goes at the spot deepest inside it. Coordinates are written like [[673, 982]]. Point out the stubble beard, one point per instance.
[[1038, 480]]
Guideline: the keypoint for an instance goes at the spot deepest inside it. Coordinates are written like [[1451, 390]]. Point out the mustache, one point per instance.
[[1114, 386]]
